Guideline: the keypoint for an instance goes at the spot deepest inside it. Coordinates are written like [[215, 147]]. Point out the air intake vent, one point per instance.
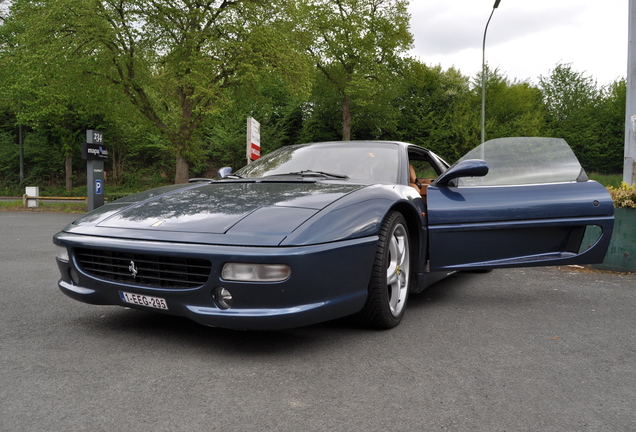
[[142, 269]]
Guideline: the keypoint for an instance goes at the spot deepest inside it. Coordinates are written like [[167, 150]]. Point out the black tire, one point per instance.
[[390, 276]]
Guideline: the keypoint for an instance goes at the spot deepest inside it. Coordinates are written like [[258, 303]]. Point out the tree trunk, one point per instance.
[[69, 173], [346, 119], [182, 174], [115, 167]]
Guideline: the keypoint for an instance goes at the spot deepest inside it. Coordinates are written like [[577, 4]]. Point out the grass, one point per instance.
[[613, 180], [62, 207]]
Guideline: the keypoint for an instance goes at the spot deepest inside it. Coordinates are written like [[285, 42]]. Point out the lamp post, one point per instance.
[[483, 76]]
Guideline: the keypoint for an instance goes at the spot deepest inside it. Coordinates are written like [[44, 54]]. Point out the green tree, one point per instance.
[[590, 118], [55, 103], [322, 112], [435, 110], [513, 108], [173, 60], [357, 45], [272, 103], [571, 99], [441, 109], [610, 144]]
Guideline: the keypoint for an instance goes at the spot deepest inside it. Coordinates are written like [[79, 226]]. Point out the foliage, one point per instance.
[[357, 45], [173, 60], [435, 110], [610, 112], [623, 196], [274, 105], [47, 97], [171, 84], [589, 118], [513, 108]]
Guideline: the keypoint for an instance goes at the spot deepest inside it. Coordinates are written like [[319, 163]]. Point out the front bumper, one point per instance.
[[328, 281]]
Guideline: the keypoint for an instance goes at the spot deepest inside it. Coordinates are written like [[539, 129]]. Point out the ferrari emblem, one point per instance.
[[133, 269]]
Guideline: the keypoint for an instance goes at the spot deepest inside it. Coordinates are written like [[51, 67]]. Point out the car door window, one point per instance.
[[525, 160], [424, 169]]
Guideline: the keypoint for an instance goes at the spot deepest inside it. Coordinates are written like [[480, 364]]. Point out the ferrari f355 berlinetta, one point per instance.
[[314, 232]]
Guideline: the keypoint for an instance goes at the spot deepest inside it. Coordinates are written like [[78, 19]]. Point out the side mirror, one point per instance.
[[224, 172], [465, 168]]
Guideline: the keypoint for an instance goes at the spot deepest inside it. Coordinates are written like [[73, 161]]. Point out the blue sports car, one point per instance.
[[314, 232]]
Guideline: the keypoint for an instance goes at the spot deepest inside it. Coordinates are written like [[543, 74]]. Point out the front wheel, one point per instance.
[[389, 284]]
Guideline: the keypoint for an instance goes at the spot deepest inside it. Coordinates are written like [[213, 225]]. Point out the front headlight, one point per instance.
[[255, 272], [62, 254]]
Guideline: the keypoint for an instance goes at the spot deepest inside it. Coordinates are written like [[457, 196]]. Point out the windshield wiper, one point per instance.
[[312, 173]]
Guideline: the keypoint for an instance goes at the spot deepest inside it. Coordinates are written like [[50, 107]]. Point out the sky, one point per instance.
[[526, 39]]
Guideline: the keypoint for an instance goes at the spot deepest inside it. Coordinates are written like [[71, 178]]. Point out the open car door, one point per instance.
[[517, 202]]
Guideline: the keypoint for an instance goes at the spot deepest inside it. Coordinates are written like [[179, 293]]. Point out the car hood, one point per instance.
[[240, 212]]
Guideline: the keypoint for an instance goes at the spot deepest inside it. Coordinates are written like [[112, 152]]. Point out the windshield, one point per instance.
[[368, 162], [515, 161]]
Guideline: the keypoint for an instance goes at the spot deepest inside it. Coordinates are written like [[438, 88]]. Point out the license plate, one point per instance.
[[144, 300]]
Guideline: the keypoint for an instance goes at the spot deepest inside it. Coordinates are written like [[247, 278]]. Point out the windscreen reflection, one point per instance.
[[369, 162]]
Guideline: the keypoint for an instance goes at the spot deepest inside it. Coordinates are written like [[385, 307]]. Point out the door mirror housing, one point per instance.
[[224, 172], [465, 168]]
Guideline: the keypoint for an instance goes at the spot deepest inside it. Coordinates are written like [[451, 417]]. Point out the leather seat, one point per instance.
[[413, 182]]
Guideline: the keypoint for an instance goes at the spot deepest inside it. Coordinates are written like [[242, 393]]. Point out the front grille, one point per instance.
[[144, 269]]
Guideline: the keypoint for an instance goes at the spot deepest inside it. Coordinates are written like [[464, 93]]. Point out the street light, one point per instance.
[[483, 76]]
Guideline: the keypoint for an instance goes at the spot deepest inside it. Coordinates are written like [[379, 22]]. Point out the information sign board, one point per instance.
[[253, 139]]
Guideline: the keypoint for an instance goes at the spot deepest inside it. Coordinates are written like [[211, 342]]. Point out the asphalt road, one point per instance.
[[512, 350]]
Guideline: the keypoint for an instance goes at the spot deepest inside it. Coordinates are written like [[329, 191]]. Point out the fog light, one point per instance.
[[62, 254], [223, 298], [255, 272]]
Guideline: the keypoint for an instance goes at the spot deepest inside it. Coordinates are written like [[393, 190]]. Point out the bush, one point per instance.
[[623, 196]]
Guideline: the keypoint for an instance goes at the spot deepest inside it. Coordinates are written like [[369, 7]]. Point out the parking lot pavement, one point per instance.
[[541, 349]]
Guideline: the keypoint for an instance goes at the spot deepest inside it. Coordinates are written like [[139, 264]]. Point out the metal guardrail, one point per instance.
[[27, 200]]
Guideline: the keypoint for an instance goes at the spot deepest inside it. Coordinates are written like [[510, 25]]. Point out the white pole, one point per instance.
[[629, 167]]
